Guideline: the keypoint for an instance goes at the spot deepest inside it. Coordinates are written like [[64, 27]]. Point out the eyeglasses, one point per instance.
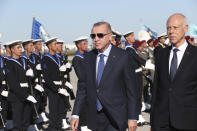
[[99, 35]]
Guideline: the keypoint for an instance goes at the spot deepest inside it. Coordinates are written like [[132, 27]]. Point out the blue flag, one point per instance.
[[152, 33], [38, 31]]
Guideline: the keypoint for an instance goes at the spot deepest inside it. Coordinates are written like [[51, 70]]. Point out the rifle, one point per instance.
[[6, 87], [66, 60], [1, 117], [70, 91], [31, 88], [39, 71]]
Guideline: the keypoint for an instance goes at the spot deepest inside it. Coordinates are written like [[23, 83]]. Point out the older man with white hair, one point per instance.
[[174, 104]]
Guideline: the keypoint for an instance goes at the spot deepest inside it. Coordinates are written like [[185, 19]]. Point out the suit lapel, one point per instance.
[[167, 61], [112, 58], [93, 65], [185, 60]]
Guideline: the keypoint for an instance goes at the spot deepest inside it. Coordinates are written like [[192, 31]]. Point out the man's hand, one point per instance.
[[74, 124], [132, 125]]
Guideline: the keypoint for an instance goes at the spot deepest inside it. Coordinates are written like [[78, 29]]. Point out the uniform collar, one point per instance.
[[57, 61], [79, 54]]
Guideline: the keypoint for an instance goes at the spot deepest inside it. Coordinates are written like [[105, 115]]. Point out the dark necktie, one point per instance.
[[101, 66], [173, 66]]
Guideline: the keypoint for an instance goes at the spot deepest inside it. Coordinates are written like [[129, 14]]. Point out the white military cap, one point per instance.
[[81, 38], [163, 35], [127, 33], [116, 32], [37, 40], [113, 36], [60, 41], [25, 42], [13, 43], [48, 41]]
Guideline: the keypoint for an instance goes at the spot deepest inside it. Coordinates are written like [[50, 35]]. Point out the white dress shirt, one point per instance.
[[180, 54], [106, 55]]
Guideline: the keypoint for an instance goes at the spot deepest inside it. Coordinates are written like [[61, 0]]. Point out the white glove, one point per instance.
[[30, 73], [63, 92], [39, 88], [138, 70], [68, 65], [31, 99], [62, 68], [38, 67], [65, 76], [149, 65], [69, 85], [4, 93]]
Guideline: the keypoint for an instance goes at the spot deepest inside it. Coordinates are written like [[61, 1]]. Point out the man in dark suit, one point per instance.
[[174, 104], [108, 86]]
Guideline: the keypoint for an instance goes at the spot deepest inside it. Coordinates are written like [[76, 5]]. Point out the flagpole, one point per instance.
[[33, 32]]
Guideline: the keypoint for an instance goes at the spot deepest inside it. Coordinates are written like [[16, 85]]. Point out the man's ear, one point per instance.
[[186, 28], [79, 45], [49, 46], [11, 49]]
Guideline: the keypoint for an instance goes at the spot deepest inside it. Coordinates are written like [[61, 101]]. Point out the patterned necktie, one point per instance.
[[173, 66], [101, 66]]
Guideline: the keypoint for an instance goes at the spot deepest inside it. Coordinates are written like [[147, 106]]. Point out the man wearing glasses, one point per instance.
[[108, 86]]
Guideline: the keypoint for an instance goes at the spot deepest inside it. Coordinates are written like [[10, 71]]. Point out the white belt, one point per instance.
[[57, 82], [23, 84], [3, 82]]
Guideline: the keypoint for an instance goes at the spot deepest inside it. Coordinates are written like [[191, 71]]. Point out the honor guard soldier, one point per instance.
[[143, 53], [51, 67], [77, 62], [63, 61], [30, 61], [113, 41], [117, 37], [19, 95], [82, 47], [39, 81], [138, 64], [6, 57], [7, 52], [162, 38], [4, 94]]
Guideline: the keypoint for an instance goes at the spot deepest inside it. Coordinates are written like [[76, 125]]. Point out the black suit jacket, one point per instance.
[[175, 101], [117, 90]]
